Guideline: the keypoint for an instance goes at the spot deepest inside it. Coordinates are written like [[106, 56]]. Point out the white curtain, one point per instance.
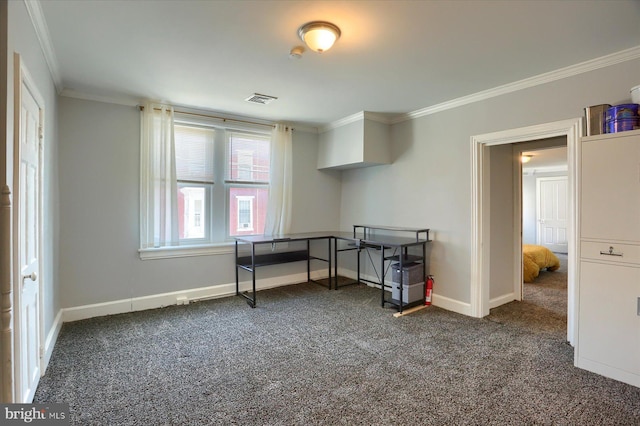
[[278, 220], [158, 185]]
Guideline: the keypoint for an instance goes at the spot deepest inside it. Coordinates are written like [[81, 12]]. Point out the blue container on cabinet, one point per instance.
[[621, 118]]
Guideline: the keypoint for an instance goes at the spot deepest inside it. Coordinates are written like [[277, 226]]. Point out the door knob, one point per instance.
[[33, 276]]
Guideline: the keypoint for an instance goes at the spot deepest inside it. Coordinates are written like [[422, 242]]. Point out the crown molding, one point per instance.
[[118, 100], [135, 102], [305, 129], [44, 37], [373, 116], [570, 71], [343, 121]]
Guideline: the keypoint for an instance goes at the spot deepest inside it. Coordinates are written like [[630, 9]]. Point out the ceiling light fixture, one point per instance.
[[319, 35], [525, 158]]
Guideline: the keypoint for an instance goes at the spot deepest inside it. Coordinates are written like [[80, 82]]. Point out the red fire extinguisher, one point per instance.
[[428, 290]]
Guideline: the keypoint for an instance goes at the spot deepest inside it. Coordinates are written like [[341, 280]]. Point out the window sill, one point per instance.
[[187, 251]]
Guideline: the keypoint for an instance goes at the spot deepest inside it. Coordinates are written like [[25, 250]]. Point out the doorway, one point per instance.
[[545, 203], [481, 212], [545, 223]]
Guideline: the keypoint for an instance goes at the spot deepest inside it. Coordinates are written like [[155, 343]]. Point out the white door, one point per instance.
[[552, 213], [27, 324]]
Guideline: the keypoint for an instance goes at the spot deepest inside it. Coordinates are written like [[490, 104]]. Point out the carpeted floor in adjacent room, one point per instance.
[[307, 355]]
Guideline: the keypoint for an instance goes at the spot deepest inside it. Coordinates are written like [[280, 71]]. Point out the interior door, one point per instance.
[[28, 245], [552, 213]]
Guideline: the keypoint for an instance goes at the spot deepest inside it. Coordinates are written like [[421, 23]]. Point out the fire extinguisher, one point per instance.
[[428, 290]]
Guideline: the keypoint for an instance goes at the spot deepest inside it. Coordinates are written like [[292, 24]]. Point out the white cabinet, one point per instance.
[[611, 188], [609, 288], [361, 140], [609, 325]]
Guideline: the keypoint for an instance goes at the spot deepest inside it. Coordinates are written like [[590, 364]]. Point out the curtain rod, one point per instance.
[[216, 117]]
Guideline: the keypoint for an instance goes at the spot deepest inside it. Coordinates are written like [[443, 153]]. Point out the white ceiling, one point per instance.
[[393, 57], [546, 159]]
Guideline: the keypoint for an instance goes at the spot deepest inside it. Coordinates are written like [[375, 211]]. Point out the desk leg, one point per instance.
[[329, 260], [401, 284], [358, 256], [424, 272], [382, 273], [237, 277], [308, 260], [335, 265], [252, 302]]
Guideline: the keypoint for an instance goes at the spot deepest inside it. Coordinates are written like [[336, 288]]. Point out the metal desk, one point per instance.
[[256, 260], [364, 238]]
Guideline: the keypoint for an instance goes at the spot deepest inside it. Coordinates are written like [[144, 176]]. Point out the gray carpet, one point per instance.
[[544, 304], [307, 355]]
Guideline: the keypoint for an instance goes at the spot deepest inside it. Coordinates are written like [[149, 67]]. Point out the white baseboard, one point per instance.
[[224, 290], [436, 300], [50, 342], [179, 297], [608, 371], [451, 304], [501, 300]]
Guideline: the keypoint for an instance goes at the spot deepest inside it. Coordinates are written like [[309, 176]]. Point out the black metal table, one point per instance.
[[364, 238], [256, 260]]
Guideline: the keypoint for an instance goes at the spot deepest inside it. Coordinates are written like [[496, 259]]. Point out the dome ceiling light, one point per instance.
[[319, 35]]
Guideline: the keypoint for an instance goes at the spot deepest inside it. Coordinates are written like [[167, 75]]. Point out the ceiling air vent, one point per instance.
[[257, 98]]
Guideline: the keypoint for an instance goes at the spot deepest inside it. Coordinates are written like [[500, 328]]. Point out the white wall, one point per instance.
[[100, 179], [316, 193], [429, 182], [502, 203], [22, 39]]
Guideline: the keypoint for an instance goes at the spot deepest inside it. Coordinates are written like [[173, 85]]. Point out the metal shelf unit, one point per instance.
[[398, 239]]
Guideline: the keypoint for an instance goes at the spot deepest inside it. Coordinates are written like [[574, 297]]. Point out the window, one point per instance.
[[245, 213], [206, 154], [248, 161], [194, 173]]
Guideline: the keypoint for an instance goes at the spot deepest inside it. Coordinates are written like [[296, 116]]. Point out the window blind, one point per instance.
[[248, 158], [194, 154]]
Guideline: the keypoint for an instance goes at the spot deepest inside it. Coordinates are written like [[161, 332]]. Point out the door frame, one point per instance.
[[480, 229], [23, 77]]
